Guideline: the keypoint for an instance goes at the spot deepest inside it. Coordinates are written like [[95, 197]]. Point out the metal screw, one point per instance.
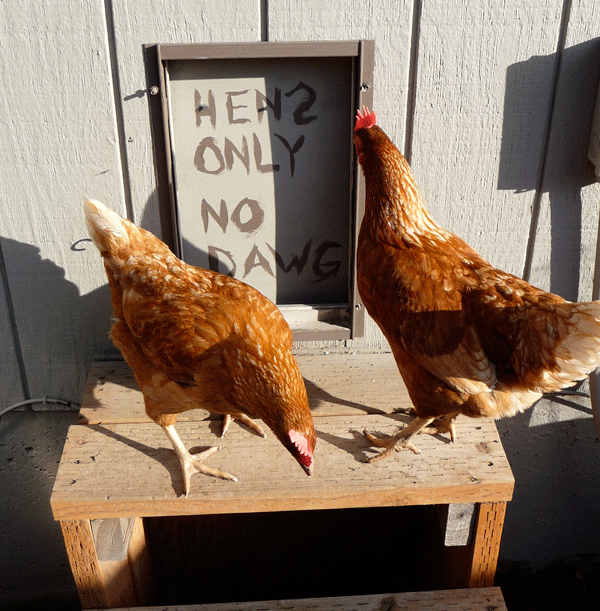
[[154, 90], [365, 87]]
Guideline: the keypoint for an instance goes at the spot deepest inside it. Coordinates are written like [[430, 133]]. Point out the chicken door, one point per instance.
[[263, 173]]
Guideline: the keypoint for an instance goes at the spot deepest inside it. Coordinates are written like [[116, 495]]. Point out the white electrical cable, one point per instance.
[[43, 400]]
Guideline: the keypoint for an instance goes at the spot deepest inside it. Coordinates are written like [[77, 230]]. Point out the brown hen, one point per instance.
[[467, 338], [195, 338]]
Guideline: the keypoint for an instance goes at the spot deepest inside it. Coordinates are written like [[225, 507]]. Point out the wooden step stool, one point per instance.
[[118, 468]]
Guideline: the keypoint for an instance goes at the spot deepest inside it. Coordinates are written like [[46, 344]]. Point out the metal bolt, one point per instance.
[[154, 90], [365, 87]]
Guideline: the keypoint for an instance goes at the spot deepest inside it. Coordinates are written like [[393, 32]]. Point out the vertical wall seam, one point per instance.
[[118, 106], [264, 20], [412, 79], [539, 189], [14, 329]]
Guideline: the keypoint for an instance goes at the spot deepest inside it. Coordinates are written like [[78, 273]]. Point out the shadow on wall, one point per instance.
[[557, 496], [59, 331], [548, 111]]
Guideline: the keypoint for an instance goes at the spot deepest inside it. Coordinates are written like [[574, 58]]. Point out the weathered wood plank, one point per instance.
[[486, 544], [87, 571], [477, 599], [457, 521], [564, 252], [140, 564], [337, 383], [483, 94], [59, 150], [112, 537], [122, 470]]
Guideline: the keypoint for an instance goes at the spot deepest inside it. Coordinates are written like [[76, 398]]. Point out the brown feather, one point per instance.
[[467, 337], [196, 338]]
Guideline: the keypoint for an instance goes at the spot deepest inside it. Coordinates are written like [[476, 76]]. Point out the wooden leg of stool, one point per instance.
[[81, 551], [110, 562], [486, 544]]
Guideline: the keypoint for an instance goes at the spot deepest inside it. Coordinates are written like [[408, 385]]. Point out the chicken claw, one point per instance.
[[191, 464], [446, 424], [390, 443], [228, 419], [398, 441]]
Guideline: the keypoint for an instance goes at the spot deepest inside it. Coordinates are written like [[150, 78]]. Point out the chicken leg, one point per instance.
[[191, 464]]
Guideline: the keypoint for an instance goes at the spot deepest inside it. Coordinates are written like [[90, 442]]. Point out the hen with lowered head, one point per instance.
[[467, 338], [195, 338]]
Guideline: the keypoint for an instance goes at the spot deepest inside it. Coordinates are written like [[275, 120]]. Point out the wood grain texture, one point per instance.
[[140, 564], [479, 599], [121, 470], [337, 383], [486, 546], [87, 571], [457, 521]]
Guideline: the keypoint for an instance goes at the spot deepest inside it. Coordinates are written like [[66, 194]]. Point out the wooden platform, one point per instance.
[[117, 464], [479, 599]]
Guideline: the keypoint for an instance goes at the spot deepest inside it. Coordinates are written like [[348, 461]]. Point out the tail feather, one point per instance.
[[106, 228], [578, 351]]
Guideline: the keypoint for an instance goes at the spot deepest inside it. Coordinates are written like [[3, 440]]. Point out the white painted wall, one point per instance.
[[492, 101]]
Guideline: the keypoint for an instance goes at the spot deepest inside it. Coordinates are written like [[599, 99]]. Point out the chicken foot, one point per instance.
[[443, 424], [398, 441], [191, 464], [228, 419]]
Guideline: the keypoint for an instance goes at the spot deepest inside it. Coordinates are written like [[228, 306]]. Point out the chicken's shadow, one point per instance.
[[359, 447], [318, 396], [163, 455]]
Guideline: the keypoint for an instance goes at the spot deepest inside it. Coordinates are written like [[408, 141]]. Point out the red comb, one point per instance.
[[366, 119]]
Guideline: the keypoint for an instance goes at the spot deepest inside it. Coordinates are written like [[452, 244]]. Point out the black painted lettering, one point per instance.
[[292, 150], [262, 168], [263, 104], [297, 262], [329, 268], [214, 262], [304, 106], [256, 219]]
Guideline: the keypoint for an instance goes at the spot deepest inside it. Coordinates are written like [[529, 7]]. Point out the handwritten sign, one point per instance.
[[262, 166]]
